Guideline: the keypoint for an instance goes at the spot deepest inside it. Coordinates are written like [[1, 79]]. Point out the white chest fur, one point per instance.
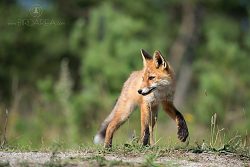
[[160, 95]]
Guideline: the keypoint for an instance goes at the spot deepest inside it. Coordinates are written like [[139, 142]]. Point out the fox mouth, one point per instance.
[[147, 91]]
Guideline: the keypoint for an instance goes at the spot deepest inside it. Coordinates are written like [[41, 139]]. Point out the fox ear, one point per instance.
[[160, 61], [145, 56]]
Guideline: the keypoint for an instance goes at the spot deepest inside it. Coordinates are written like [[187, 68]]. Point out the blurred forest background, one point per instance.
[[63, 64]]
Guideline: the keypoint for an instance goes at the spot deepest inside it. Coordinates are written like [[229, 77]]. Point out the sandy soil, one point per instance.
[[85, 158]]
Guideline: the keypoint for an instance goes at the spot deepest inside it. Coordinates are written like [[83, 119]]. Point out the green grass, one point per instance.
[[217, 142], [97, 155]]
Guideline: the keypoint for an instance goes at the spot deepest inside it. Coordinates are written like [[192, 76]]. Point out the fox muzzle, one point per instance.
[[146, 91]]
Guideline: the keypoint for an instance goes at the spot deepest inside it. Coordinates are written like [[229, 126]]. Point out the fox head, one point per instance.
[[158, 76]]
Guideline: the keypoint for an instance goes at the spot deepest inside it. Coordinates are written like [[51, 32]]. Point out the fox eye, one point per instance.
[[151, 77]]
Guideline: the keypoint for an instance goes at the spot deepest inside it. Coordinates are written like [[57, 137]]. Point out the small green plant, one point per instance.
[[4, 138], [53, 164], [99, 159], [150, 160], [215, 136], [4, 163], [220, 142]]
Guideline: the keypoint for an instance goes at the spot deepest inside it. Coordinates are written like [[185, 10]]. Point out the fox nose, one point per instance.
[[140, 91]]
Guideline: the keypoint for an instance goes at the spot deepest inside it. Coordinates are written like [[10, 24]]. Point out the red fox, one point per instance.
[[148, 88]]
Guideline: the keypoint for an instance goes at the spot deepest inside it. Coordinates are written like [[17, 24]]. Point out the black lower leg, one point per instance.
[[145, 140]]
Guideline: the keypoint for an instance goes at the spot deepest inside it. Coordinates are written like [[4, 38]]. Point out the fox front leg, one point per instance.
[[144, 124], [170, 109], [152, 120], [148, 120]]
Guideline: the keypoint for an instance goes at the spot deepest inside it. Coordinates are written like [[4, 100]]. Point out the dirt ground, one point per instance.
[[86, 158]]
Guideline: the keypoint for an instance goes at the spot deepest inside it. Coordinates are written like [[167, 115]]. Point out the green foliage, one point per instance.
[[221, 68]]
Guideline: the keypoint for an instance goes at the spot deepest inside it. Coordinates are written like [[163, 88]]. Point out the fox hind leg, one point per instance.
[[121, 113]]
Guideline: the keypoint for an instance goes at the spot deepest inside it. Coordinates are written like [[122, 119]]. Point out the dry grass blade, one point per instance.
[[4, 139]]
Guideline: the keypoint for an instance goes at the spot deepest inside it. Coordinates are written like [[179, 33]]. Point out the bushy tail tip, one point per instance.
[[98, 139]]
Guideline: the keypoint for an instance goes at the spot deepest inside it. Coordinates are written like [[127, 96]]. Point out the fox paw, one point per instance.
[[182, 130], [107, 146]]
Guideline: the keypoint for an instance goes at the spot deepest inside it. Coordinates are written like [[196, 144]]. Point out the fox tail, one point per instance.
[[100, 136]]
